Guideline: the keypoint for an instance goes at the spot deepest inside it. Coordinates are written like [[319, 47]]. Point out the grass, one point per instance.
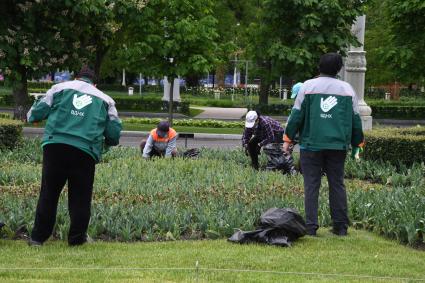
[[361, 256]]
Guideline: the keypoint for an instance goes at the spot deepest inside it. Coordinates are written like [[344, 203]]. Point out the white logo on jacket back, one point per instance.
[[327, 104], [82, 101]]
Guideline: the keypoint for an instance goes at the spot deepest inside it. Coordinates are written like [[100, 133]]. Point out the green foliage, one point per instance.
[[397, 146], [138, 103], [398, 112], [407, 26], [162, 199], [187, 122], [10, 133], [292, 35], [394, 41]]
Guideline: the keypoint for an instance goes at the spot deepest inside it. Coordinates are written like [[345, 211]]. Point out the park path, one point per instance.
[[218, 113]]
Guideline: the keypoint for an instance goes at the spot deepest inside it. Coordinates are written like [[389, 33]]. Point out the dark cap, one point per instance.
[[86, 72], [163, 128], [330, 64]]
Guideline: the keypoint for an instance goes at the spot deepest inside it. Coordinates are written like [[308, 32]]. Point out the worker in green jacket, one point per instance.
[[326, 116], [81, 120]]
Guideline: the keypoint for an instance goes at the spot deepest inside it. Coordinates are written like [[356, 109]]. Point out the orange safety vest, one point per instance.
[[171, 134]]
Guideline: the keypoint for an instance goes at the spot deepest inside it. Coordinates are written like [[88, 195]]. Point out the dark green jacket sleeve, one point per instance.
[[357, 137], [296, 119], [113, 127], [40, 110]]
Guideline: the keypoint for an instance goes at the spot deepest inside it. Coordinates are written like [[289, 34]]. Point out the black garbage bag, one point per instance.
[[191, 153], [278, 160], [278, 226]]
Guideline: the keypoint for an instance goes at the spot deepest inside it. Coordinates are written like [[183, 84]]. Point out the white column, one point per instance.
[[123, 77], [355, 69], [176, 90], [166, 96]]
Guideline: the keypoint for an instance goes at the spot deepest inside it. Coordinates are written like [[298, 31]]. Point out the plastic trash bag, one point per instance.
[[191, 153], [278, 160], [278, 226]]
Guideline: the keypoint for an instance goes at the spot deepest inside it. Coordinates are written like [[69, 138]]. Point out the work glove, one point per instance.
[[355, 152]]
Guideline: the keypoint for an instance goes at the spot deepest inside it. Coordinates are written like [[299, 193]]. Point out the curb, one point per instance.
[[136, 134]]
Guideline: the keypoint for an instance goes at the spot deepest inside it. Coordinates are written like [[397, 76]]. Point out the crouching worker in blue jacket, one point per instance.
[[80, 120], [162, 141]]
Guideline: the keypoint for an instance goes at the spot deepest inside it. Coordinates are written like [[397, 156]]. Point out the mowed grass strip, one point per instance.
[[362, 256]]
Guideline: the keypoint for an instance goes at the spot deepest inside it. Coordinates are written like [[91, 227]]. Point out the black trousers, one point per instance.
[[62, 163], [332, 162], [254, 149]]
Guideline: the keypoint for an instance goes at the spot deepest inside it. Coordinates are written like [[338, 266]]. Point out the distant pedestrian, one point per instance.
[[80, 121], [162, 141], [327, 119]]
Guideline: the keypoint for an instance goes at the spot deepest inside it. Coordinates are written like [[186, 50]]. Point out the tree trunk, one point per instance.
[[265, 82], [100, 55], [20, 95], [264, 92], [192, 80], [220, 74]]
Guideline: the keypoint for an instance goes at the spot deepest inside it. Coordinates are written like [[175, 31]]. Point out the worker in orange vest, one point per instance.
[[162, 141]]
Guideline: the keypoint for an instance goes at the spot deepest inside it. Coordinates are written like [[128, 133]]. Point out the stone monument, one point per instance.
[[355, 69]]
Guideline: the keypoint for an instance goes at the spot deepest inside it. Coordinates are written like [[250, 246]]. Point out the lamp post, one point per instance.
[[355, 69]]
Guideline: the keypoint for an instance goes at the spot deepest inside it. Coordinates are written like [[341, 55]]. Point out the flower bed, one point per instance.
[[135, 199]]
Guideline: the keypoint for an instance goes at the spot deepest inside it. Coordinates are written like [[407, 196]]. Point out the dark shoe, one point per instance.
[[311, 232], [87, 240], [33, 243], [339, 231]]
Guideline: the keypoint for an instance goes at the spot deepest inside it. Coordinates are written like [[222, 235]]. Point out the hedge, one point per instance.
[[149, 104], [379, 111], [125, 103], [10, 133], [397, 146], [398, 112]]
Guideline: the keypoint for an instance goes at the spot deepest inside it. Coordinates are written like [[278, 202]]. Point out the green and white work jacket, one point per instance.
[[326, 116], [80, 115]]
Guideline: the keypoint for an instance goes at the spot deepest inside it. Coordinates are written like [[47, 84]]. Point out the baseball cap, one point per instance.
[[251, 117], [162, 128], [296, 89]]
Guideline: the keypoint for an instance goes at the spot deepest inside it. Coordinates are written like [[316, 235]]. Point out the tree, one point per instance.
[[378, 41], [407, 28], [172, 38], [291, 35], [39, 36]]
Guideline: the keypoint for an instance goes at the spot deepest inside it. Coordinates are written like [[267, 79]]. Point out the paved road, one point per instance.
[[134, 138], [221, 113]]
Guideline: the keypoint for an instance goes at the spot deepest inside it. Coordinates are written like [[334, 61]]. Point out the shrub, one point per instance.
[[187, 122], [397, 146], [10, 133], [398, 111], [148, 104]]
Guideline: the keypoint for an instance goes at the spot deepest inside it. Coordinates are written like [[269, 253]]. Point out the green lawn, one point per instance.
[[360, 257]]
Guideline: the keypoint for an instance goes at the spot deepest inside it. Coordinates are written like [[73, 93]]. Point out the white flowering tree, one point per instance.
[[39, 36]]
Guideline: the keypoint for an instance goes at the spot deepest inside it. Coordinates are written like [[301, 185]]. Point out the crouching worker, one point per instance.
[[259, 132], [162, 141], [80, 121]]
